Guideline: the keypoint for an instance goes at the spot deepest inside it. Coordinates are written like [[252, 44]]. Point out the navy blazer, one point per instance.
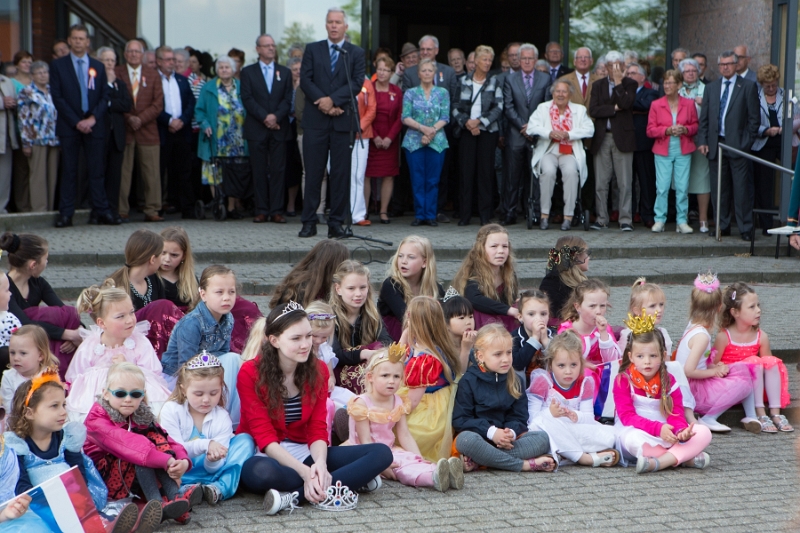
[[66, 91], [187, 110], [317, 81], [259, 102]]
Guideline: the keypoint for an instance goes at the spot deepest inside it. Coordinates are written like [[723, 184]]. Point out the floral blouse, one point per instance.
[[693, 91], [426, 111], [230, 123], [37, 117]]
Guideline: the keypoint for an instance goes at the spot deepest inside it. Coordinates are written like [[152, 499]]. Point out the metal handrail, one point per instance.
[[768, 164]]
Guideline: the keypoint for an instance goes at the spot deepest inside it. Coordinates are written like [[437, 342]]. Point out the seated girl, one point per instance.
[[567, 264]]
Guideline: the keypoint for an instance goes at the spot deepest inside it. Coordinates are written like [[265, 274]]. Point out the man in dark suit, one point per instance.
[[730, 114], [329, 120], [79, 87], [702, 62], [267, 98], [743, 64], [554, 54], [614, 140], [175, 133], [644, 163], [523, 91]]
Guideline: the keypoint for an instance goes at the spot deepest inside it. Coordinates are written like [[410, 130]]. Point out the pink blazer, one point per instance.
[[660, 119]]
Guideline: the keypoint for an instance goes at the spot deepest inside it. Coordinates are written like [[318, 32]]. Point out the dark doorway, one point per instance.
[[465, 24]]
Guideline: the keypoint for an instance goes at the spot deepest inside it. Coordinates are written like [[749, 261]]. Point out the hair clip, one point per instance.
[[321, 316], [643, 323], [337, 498], [733, 296], [14, 330], [451, 293], [706, 282], [203, 360], [41, 379], [290, 308]]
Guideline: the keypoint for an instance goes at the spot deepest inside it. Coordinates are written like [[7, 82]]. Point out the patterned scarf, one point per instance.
[[652, 388], [561, 122]]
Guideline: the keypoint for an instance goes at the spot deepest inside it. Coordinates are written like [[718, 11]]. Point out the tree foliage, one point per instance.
[[294, 33]]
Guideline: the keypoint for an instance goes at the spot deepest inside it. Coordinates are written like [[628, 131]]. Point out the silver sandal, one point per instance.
[[782, 424], [766, 425]]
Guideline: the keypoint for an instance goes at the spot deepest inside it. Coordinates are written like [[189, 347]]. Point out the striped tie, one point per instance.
[[135, 86]]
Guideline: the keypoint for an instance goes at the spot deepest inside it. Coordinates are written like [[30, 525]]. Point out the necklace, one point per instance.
[[147, 297]]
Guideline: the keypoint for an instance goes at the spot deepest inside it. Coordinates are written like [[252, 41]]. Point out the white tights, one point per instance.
[[769, 379]]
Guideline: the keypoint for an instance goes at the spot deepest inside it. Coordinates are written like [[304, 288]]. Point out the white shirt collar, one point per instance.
[[330, 43], [266, 65]]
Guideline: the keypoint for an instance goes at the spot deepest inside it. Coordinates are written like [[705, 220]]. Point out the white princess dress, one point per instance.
[[88, 371]]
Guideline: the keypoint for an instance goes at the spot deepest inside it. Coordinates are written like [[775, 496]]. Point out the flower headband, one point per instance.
[[563, 258], [706, 282]]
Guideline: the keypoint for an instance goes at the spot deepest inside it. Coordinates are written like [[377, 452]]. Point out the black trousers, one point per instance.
[[737, 189], [176, 167], [113, 174], [94, 150], [518, 181], [644, 168], [316, 146], [477, 163], [449, 169], [268, 163], [764, 183]]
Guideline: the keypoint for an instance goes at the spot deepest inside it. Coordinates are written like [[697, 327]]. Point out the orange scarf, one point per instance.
[[652, 388]]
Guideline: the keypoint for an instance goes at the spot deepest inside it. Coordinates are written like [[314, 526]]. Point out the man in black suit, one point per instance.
[[644, 162], [702, 62], [80, 93], [329, 120], [175, 133], [523, 91], [554, 54], [729, 114], [267, 98]]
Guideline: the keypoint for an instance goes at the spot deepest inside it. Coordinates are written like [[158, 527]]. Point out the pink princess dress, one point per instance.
[[748, 354], [412, 470], [88, 370]]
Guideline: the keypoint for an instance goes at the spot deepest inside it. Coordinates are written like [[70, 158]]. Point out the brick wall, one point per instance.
[[120, 14]]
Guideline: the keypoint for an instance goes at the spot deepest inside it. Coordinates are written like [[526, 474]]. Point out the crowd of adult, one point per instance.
[[168, 127]]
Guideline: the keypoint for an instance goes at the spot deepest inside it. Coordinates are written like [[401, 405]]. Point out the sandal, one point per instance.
[[606, 458], [643, 465], [469, 464], [548, 465], [766, 425], [782, 424]]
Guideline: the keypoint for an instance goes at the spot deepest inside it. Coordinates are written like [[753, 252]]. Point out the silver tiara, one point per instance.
[[203, 360], [291, 307], [338, 498], [321, 316], [451, 292]]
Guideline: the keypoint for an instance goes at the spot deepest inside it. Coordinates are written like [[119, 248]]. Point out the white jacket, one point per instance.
[[582, 128], [217, 426]]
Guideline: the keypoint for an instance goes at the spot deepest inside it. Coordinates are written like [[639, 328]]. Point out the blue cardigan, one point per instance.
[[205, 113]]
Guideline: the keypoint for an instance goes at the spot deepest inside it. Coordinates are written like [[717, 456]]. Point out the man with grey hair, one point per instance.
[[730, 114], [614, 140], [644, 162], [743, 63], [456, 59], [678, 55], [554, 54], [523, 91]]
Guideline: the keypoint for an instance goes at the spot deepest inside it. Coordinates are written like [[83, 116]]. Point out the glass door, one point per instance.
[[786, 55]]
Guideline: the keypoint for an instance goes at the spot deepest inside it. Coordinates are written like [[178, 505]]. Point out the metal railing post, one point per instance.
[[719, 190]]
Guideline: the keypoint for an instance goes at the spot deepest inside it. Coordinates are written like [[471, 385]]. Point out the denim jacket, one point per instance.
[[195, 332]]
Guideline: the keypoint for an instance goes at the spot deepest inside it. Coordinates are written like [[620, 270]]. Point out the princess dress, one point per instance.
[[9, 474], [89, 369], [568, 439], [411, 470], [748, 354], [714, 395]]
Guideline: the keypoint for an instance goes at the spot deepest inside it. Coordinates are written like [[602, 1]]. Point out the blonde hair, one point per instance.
[[318, 307], [476, 268], [185, 377], [655, 335], [377, 360], [42, 343], [215, 270], [371, 323], [187, 282], [569, 313], [535, 295], [428, 285], [125, 368], [704, 307], [483, 49], [427, 328], [640, 290], [573, 276], [732, 298], [255, 340], [142, 245], [489, 335], [96, 300], [567, 341]]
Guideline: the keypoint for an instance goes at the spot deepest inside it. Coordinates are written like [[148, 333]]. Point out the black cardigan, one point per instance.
[[391, 300], [158, 292], [483, 303], [353, 357], [38, 291], [556, 291]]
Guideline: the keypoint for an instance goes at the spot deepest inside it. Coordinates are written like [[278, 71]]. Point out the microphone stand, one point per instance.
[[348, 229]]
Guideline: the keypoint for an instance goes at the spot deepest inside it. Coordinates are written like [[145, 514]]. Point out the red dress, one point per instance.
[[382, 163]]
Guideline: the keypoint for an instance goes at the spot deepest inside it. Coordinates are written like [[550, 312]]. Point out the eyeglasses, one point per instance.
[[583, 58], [122, 393], [726, 64]]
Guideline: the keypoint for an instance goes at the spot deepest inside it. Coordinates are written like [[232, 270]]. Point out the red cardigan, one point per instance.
[[255, 417], [660, 119]]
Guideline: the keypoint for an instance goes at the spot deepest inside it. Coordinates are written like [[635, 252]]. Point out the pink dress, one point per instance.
[[749, 354], [412, 470], [88, 370]]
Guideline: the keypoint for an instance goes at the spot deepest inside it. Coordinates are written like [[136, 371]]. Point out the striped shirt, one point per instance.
[[292, 409]]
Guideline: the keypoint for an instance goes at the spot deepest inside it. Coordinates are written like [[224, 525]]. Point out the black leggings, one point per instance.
[[354, 466]]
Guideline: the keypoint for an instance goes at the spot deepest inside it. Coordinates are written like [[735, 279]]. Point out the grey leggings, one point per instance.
[[529, 445], [149, 478]]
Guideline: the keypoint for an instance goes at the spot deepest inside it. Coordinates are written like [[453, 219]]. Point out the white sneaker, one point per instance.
[[373, 485], [441, 476], [713, 425], [701, 461], [684, 228], [658, 227], [275, 502]]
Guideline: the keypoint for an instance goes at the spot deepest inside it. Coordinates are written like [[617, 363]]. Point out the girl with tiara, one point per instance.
[[380, 413], [567, 265], [412, 272], [488, 280], [745, 343], [650, 424], [460, 319], [715, 386]]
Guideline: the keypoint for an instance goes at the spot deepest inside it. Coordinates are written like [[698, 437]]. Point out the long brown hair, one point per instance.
[[496, 333], [270, 387], [142, 245], [568, 312], [572, 276], [310, 279], [704, 307], [428, 328], [187, 282], [23, 248], [17, 422], [647, 338], [476, 268], [371, 322], [732, 298]]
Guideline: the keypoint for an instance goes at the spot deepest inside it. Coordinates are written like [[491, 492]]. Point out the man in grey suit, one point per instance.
[[523, 91], [743, 64], [730, 115]]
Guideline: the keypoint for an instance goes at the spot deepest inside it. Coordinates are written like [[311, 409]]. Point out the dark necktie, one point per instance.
[[528, 87], [553, 73], [583, 85], [334, 57], [722, 104]]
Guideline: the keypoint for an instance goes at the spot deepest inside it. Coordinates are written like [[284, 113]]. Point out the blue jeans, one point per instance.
[[425, 166], [667, 168]]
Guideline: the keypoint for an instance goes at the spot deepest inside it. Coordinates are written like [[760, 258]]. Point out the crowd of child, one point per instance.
[[181, 392]]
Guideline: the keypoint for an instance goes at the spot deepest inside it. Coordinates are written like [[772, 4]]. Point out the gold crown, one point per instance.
[[394, 353], [643, 323]]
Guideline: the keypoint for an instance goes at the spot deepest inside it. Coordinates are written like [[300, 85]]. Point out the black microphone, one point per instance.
[[338, 48]]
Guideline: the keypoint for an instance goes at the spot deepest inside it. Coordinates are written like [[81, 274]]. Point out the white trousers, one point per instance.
[[358, 169]]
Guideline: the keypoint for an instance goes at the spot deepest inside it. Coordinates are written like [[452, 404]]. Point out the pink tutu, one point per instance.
[[768, 362], [716, 395], [244, 313], [64, 317], [393, 326], [509, 322], [162, 315]]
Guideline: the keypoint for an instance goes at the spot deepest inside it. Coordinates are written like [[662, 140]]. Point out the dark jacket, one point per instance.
[[187, 111], [483, 303], [527, 353], [119, 103], [391, 300], [602, 110], [641, 109], [259, 102], [483, 401], [556, 291], [491, 99], [353, 357], [741, 121], [66, 91], [517, 108]]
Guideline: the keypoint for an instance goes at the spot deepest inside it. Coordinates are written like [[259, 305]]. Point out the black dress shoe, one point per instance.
[[336, 232], [109, 219], [463, 222], [417, 222], [63, 221], [93, 219], [485, 221], [509, 221], [433, 223], [746, 235], [723, 233], [309, 230]]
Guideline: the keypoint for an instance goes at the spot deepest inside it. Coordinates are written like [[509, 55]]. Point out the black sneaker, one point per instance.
[[626, 227], [597, 226]]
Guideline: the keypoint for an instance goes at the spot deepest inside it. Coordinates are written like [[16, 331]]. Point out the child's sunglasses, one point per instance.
[[122, 393]]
